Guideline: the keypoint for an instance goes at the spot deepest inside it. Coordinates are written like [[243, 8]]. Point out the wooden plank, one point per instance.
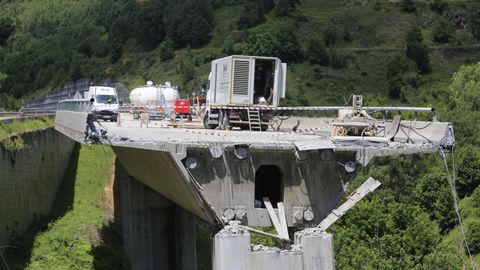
[[273, 216], [283, 220], [368, 186]]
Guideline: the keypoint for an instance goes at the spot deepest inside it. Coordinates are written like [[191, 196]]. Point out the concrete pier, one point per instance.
[[157, 234], [312, 250]]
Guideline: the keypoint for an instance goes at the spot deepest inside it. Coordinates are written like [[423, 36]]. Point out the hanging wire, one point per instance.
[[451, 181]]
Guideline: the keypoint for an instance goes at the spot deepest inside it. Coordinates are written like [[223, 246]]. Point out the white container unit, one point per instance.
[[247, 80]]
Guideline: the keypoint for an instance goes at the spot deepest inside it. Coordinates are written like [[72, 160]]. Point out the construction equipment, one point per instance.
[[240, 85]]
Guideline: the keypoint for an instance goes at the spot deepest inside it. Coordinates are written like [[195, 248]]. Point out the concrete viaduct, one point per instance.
[[237, 180]]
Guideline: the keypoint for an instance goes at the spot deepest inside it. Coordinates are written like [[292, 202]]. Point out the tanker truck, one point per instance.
[[156, 100]]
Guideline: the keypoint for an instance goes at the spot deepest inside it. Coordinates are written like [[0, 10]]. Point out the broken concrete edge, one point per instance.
[[235, 229]]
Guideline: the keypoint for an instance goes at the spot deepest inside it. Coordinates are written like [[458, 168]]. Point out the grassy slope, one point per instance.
[[16, 127], [75, 241]]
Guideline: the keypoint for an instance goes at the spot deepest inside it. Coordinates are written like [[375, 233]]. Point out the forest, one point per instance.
[[416, 53]]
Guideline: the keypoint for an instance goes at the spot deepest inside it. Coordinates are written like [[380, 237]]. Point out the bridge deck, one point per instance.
[[313, 133]]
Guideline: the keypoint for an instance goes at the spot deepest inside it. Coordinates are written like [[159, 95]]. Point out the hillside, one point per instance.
[[333, 48], [393, 52]]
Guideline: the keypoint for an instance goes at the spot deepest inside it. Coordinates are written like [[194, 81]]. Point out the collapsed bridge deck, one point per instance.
[[219, 174]]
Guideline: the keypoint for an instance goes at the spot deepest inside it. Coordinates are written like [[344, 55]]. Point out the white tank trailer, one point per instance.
[[152, 96]]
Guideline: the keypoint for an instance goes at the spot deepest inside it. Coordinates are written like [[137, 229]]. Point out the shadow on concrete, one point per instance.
[[18, 255], [109, 254], [204, 236]]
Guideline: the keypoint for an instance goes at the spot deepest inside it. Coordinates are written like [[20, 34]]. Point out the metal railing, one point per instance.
[[75, 105]]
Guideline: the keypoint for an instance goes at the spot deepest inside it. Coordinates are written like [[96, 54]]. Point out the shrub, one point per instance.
[[316, 51], [330, 36], [166, 50], [474, 18], [6, 29], [14, 144], [417, 50], [278, 39], [443, 32], [253, 13], [284, 8], [397, 73], [468, 171], [408, 6], [438, 6], [473, 237], [336, 60]]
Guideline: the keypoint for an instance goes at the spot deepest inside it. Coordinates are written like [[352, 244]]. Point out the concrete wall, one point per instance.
[[313, 181], [157, 234], [29, 179]]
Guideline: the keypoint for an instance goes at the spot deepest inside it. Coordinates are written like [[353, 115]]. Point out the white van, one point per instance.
[[105, 102]]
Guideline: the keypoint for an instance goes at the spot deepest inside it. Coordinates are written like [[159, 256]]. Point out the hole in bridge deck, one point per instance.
[[268, 183]]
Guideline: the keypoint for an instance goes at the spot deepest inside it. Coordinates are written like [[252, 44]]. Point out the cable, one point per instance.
[[451, 181], [3, 258]]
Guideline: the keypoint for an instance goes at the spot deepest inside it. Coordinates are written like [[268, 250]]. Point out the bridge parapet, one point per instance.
[[75, 105]]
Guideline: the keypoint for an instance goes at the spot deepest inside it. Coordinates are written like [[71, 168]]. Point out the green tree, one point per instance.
[[464, 103], [438, 6], [6, 29], [278, 39], [3, 77], [468, 171], [347, 36], [330, 36], [408, 6], [398, 69], [283, 8], [148, 22], [434, 196], [336, 60], [476, 198], [189, 22], [474, 19], [288, 47], [417, 50], [473, 237], [442, 259], [228, 46], [443, 32], [316, 51], [263, 44], [167, 51], [253, 13]]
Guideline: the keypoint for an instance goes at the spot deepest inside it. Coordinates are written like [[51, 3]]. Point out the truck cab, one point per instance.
[[105, 102]]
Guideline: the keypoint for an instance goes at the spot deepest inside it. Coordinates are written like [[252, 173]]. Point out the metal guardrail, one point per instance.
[[9, 114], [22, 117], [35, 112], [75, 105]]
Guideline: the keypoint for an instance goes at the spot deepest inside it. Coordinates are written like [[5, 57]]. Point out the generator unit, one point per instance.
[[247, 80], [243, 90]]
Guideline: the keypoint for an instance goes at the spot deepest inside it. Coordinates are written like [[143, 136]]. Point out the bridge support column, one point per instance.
[[157, 234], [317, 248], [313, 250], [231, 249]]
